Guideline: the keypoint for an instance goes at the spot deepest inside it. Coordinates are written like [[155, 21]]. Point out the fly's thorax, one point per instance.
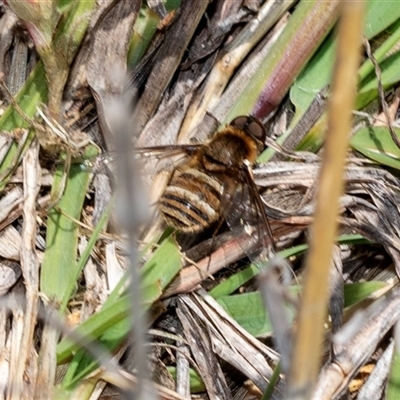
[[192, 200], [226, 152]]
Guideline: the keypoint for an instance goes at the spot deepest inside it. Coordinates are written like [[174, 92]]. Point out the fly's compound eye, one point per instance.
[[240, 122], [252, 126]]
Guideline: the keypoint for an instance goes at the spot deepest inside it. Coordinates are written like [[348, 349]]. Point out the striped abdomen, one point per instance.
[[192, 200]]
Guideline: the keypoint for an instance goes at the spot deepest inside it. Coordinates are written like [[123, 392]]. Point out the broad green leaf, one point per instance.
[[316, 75], [379, 16], [390, 76], [382, 52], [356, 292], [248, 309], [366, 94], [377, 144]]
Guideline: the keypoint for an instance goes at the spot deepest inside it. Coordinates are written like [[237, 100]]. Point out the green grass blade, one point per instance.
[[238, 279], [33, 93], [393, 387], [111, 325], [59, 268], [309, 24]]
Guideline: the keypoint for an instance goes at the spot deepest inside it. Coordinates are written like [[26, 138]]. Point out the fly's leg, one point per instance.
[[213, 241]]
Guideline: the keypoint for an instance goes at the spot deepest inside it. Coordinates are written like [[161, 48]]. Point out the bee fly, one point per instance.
[[217, 181]]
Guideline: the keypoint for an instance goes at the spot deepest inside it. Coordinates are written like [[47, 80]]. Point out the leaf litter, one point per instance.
[[228, 359]]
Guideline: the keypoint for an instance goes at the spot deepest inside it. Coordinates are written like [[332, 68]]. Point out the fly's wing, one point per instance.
[[173, 153], [245, 215]]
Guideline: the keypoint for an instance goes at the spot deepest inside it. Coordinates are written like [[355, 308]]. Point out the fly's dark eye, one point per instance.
[[252, 126], [240, 122], [257, 129]]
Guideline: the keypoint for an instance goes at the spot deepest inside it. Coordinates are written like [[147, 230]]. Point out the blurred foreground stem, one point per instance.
[[307, 346]]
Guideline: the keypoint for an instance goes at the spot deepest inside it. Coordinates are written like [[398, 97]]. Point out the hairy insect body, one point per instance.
[[193, 199]]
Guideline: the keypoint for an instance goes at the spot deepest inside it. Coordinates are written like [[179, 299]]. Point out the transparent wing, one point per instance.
[[245, 215], [174, 154]]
